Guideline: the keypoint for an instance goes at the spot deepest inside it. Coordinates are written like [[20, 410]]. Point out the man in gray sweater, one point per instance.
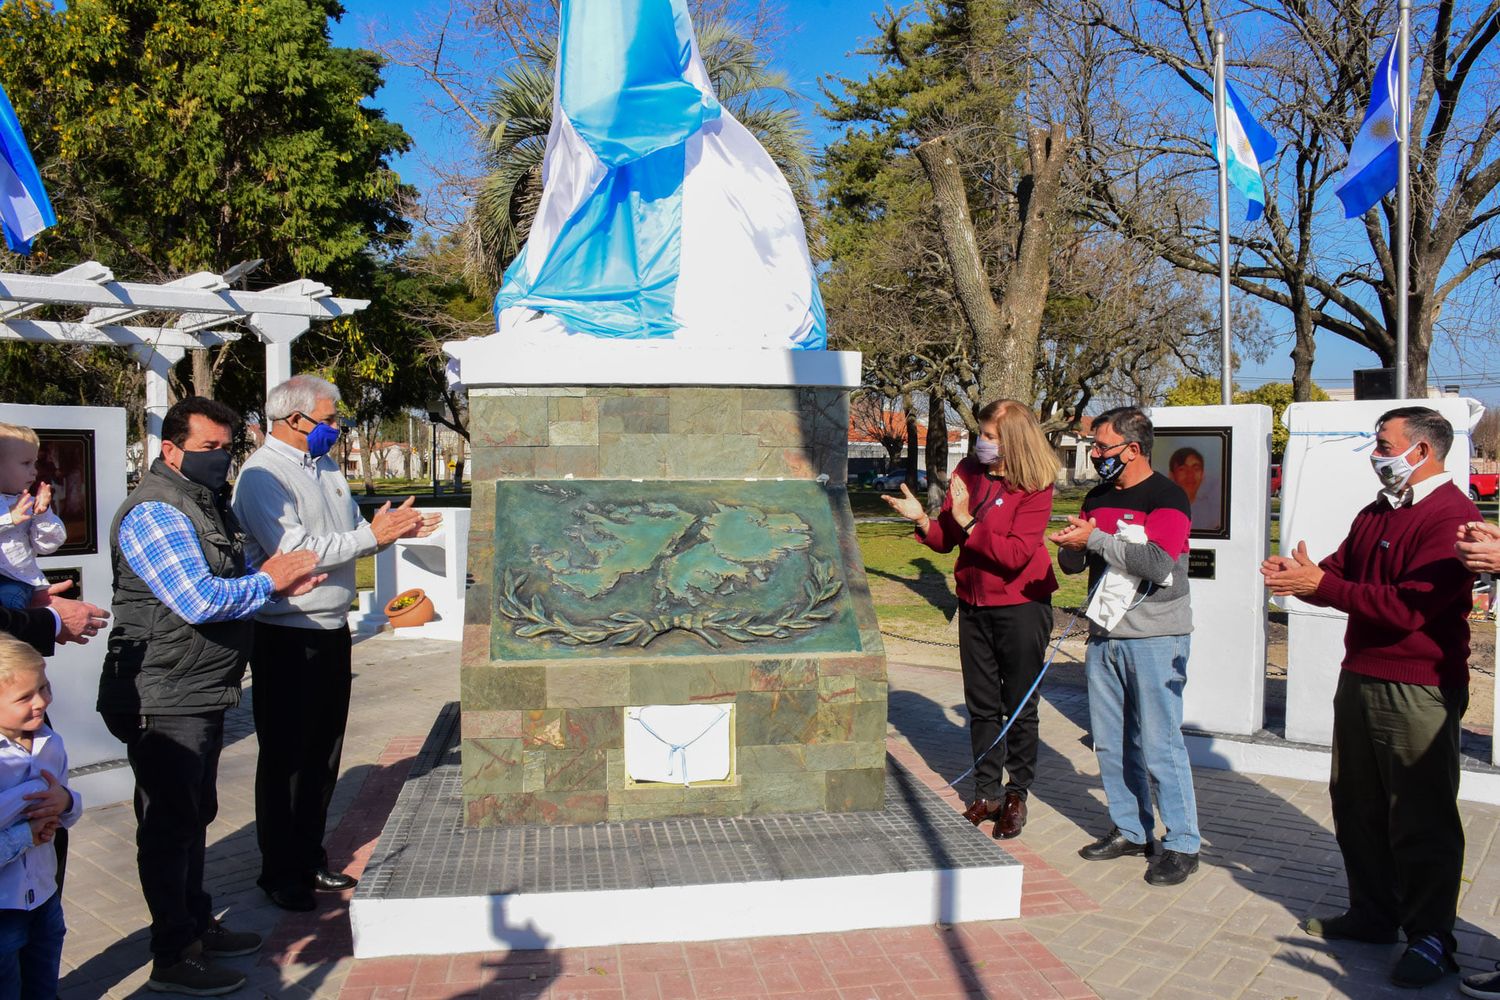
[[290, 495]]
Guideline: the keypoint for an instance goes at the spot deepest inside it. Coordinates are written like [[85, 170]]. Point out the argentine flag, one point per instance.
[[25, 209], [1245, 146], [661, 216], [1374, 159]]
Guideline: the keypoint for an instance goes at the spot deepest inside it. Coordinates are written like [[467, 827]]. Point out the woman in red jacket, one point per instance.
[[996, 512]]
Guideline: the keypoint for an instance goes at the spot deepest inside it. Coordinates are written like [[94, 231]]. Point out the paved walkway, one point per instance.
[[1086, 929]]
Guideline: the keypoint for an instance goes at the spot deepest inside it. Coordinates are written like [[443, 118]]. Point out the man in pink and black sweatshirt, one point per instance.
[[1403, 688]]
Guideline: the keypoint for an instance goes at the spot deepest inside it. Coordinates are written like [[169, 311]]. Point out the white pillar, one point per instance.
[[158, 363], [278, 332]]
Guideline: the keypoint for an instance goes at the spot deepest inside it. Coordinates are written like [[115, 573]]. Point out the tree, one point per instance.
[[1277, 395], [1141, 78], [185, 135]]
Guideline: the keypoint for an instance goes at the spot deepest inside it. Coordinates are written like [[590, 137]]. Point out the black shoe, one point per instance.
[[1423, 963], [1172, 868], [1114, 845], [297, 900], [324, 880], [221, 942], [1348, 926], [195, 976]]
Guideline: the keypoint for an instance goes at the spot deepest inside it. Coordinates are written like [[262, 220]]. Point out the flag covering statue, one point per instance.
[[661, 216]]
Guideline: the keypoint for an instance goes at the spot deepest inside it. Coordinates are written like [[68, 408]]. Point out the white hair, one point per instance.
[[298, 394]]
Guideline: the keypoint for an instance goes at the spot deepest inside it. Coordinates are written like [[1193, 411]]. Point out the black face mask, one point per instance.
[[206, 468], [1109, 467]]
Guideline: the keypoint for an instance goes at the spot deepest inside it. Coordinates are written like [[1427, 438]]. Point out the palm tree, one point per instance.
[[520, 115]]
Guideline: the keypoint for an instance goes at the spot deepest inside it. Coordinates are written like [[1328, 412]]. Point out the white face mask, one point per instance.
[[987, 451], [1395, 471]]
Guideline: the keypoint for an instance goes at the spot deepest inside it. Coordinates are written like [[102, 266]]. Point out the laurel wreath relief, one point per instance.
[[623, 629]]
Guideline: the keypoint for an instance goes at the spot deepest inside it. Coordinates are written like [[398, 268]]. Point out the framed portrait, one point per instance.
[[1197, 459], [66, 460]]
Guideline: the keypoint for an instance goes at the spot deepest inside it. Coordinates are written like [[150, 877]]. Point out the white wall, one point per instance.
[[74, 670], [1225, 691], [1326, 479]]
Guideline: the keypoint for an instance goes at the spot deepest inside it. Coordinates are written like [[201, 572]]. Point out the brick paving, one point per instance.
[[1086, 929]]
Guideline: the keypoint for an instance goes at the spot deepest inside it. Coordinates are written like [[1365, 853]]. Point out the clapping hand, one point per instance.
[[43, 498], [907, 504], [1297, 576], [391, 523], [1478, 547], [25, 508], [1076, 535], [958, 501]]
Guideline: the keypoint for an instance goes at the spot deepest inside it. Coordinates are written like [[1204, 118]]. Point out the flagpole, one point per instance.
[[1221, 116], [1403, 185]]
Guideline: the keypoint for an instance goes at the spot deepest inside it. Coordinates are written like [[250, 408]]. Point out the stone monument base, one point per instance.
[[434, 886]]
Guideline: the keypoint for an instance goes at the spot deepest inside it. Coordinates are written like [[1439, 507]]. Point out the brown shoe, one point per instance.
[[1012, 816], [982, 809]]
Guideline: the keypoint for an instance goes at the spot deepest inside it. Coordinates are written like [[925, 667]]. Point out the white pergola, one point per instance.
[[193, 312]]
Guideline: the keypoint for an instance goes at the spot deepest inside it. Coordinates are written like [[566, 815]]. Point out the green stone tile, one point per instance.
[[837, 688], [713, 456], [775, 717], [507, 422], [774, 428], [502, 686], [491, 766], [481, 512], [770, 399], [534, 776], [577, 770], [774, 793], [867, 690], [580, 462], [790, 463], [844, 756], [503, 463], [543, 728], [616, 765], [870, 721], [703, 411], [588, 685], [594, 728], [490, 725], [856, 791], [476, 647], [707, 808], [570, 808], [634, 456], [634, 415], [867, 667], [772, 759], [656, 794], [782, 675], [573, 433], [476, 611], [576, 409], [835, 723], [677, 682]]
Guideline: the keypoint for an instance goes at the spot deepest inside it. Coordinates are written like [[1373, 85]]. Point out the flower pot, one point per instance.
[[414, 613]]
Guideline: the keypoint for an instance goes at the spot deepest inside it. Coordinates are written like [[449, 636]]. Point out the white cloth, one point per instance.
[[1117, 589], [20, 544], [28, 874]]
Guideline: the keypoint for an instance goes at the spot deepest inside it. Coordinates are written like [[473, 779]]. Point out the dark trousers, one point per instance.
[[176, 763], [301, 687], [1001, 651], [1395, 802]]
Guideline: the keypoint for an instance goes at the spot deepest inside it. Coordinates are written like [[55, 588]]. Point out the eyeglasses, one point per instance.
[[1099, 450], [332, 420]]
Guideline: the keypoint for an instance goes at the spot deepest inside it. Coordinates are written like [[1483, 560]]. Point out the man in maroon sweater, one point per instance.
[[1401, 693]]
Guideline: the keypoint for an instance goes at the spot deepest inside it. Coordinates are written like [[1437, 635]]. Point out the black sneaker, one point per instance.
[[1114, 845], [1423, 963], [1172, 868], [221, 942], [1485, 985], [195, 976]]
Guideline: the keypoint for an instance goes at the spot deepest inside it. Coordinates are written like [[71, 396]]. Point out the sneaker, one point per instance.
[[1423, 963], [221, 942], [194, 976], [1171, 868], [1348, 926], [1485, 985]]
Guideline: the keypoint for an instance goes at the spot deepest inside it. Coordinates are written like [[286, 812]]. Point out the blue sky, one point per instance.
[[820, 37]]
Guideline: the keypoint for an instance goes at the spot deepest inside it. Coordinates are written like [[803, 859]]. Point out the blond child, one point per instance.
[[28, 525], [34, 803]]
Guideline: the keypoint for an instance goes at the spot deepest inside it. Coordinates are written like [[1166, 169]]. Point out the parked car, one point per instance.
[[1483, 485], [893, 481], [1276, 480]]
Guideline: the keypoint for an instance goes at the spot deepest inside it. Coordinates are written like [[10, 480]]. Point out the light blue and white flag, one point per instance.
[[1374, 159], [1246, 145], [25, 209], [661, 216]]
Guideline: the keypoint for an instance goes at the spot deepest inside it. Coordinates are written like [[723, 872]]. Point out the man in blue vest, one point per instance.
[[184, 599]]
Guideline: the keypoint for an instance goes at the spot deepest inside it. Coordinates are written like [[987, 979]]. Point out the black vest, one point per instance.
[[158, 663]]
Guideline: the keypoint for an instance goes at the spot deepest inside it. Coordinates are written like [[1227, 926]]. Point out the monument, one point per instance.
[[673, 687]]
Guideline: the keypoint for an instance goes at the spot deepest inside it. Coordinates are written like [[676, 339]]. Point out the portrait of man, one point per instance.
[[1197, 459]]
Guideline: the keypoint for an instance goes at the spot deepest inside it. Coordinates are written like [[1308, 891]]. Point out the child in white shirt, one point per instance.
[[28, 525], [34, 803]]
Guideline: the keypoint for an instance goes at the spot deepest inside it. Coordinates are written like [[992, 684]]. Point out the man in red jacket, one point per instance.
[[1403, 688]]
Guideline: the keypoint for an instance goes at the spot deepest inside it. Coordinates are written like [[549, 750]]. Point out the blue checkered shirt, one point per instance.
[[159, 543]]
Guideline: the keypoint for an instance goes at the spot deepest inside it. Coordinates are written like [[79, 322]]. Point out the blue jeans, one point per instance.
[[1135, 712], [31, 944]]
